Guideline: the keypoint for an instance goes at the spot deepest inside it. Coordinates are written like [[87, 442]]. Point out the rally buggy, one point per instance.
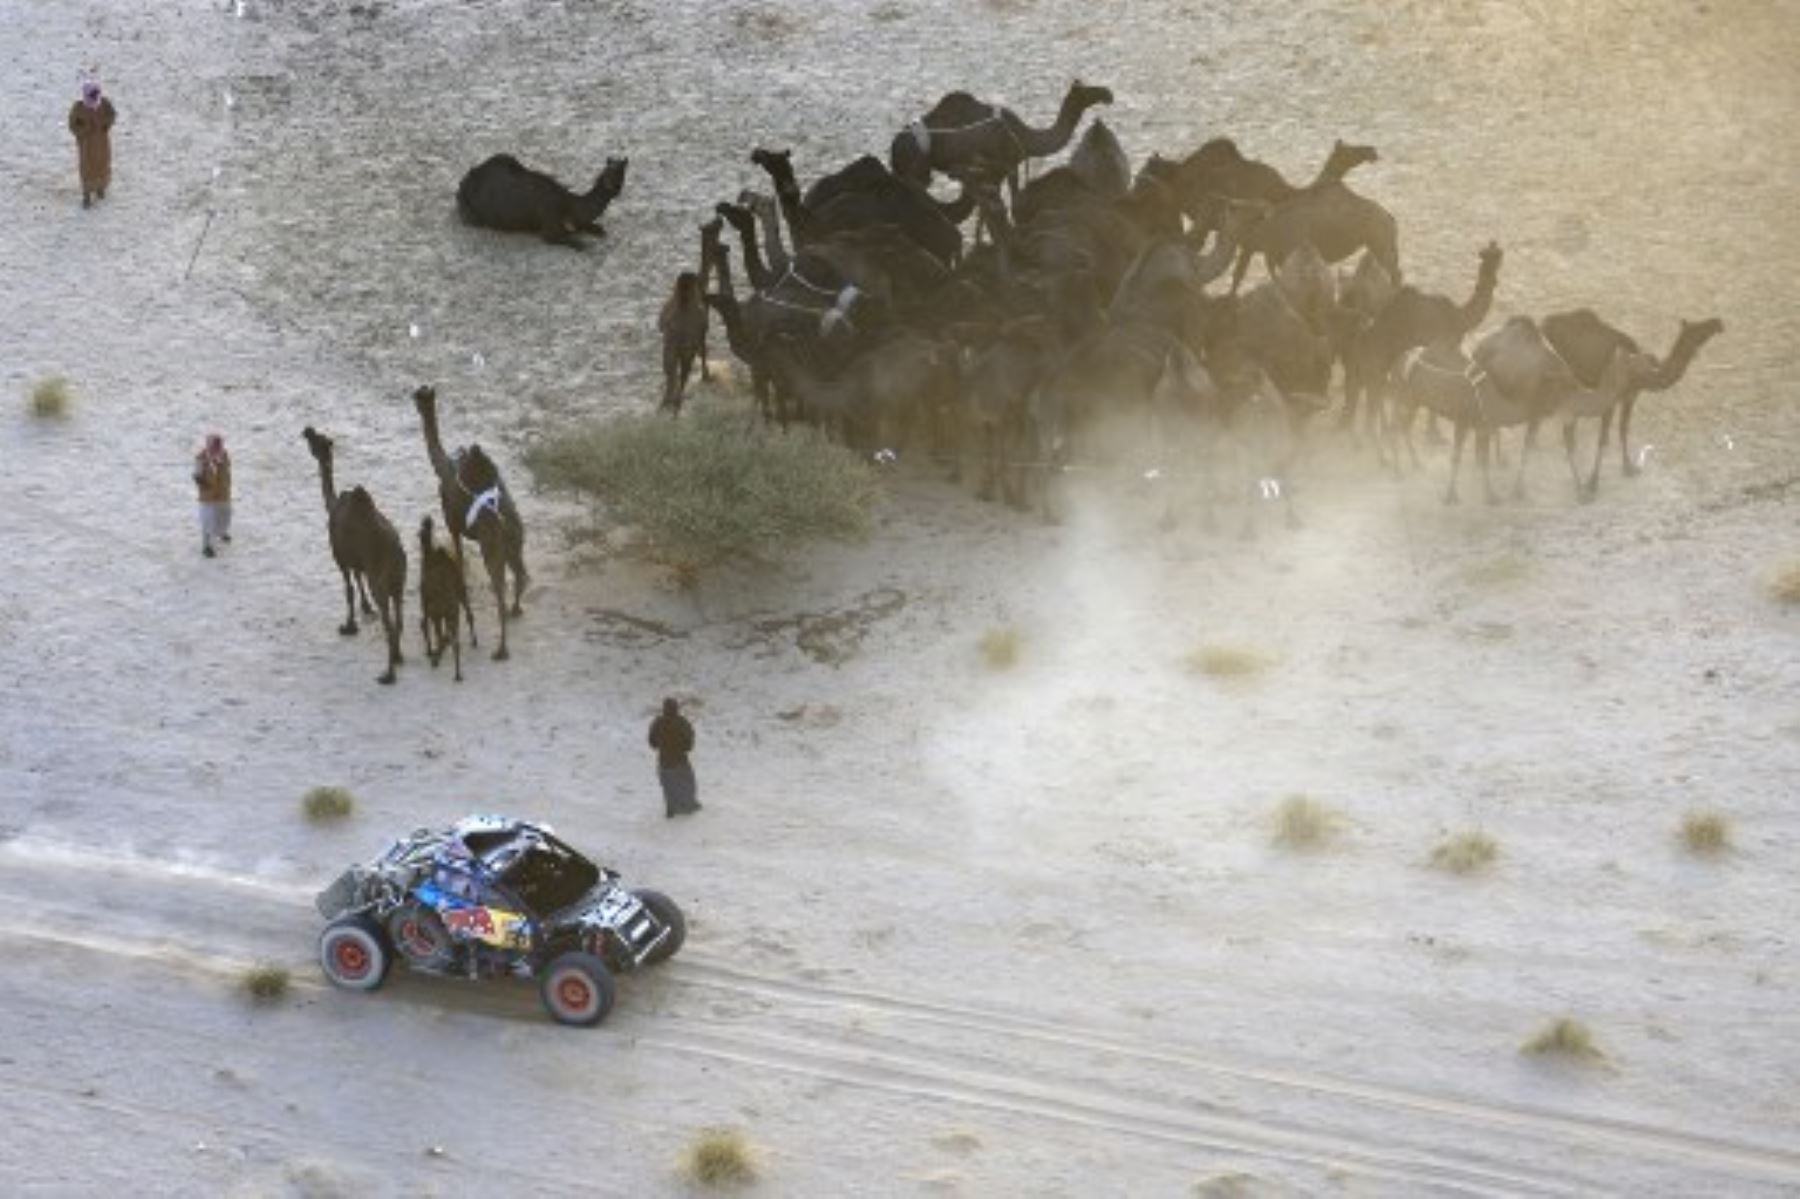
[[491, 897]]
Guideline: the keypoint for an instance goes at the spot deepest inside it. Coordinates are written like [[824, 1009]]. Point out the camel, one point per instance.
[[1337, 222], [1098, 169], [1440, 378], [682, 323], [366, 549], [967, 138], [885, 201], [477, 504], [1218, 171], [443, 598], [1283, 325], [502, 193], [1541, 384], [888, 389], [997, 380], [1584, 341], [870, 174], [886, 265], [1412, 318]]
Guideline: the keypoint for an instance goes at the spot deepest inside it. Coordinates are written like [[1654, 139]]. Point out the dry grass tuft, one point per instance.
[[1227, 662], [1465, 853], [719, 1157], [1706, 833], [1000, 647], [1563, 1037], [50, 397], [326, 805], [266, 982], [1302, 822], [1785, 585], [1496, 572]]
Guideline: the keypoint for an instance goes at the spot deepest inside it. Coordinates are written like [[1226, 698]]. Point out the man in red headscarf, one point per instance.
[[91, 121], [212, 475]]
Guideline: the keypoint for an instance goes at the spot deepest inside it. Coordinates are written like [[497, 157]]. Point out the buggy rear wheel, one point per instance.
[[577, 989], [353, 953], [670, 916]]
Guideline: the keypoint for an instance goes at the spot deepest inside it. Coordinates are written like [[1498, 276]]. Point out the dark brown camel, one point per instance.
[[894, 201], [884, 394], [1219, 171], [443, 600], [682, 323], [477, 505], [1336, 220], [1412, 318], [967, 138], [502, 193], [366, 548], [1586, 343]]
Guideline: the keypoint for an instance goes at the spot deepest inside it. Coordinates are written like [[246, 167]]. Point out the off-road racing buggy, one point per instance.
[[491, 897]]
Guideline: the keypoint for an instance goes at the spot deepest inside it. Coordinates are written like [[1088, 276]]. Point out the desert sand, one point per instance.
[[955, 930]]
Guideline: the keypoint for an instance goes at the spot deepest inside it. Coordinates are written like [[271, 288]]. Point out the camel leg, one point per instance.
[[348, 628], [462, 592], [1241, 268], [1593, 483], [455, 647], [1626, 463], [390, 626], [497, 580], [1484, 450], [705, 371], [425, 635], [1524, 457], [1456, 453], [362, 586], [515, 560]]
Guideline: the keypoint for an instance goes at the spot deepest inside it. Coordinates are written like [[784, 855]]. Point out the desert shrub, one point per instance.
[[719, 1157], [49, 398], [324, 805], [1226, 662], [712, 486], [1563, 1037], [1465, 853], [266, 982], [1785, 585], [1706, 832], [1000, 647], [1302, 822]]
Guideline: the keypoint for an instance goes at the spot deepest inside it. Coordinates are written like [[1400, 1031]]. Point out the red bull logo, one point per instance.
[[469, 922], [492, 925]]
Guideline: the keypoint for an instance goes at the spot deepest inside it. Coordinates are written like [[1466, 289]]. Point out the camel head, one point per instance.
[[779, 164], [1082, 96], [908, 160], [1346, 157], [1698, 333], [1491, 254], [736, 215], [318, 443], [611, 180]]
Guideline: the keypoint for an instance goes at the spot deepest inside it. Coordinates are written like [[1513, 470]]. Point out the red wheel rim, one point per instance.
[[574, 993], [350, 957]]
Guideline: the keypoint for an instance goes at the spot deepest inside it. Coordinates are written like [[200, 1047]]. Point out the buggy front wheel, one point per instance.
[[577, 989], [353, 953], [670, 917]]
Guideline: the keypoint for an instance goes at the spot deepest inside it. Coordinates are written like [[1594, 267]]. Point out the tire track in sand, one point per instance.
[[845, 1050]]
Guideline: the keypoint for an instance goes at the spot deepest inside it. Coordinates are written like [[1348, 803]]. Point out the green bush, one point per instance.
[[50, 398], [1563, 1037], [1302, 822], [1465, 853], [720, 1157], [323, 805], [266, 982], [1000, 647], [1706, 832], [712, 485]]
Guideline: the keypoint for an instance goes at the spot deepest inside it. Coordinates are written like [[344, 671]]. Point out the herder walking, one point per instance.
[[212, 478], [672, 737], [91, 121]]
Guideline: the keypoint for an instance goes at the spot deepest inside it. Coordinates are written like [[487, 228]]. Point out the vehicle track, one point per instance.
[[1006, 1063]]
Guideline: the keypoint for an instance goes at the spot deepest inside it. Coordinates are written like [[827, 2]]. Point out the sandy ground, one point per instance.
[[955, 932]]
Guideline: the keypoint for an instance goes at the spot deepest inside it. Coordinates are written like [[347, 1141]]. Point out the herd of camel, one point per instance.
[[1080, 305], [1075, 323]]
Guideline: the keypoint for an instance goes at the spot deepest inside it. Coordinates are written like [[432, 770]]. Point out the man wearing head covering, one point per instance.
[[672, 737], [91, 121], [212, 475]]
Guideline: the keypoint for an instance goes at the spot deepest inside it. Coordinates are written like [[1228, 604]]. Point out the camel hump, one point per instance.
[[958, 109], [359, 499]]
